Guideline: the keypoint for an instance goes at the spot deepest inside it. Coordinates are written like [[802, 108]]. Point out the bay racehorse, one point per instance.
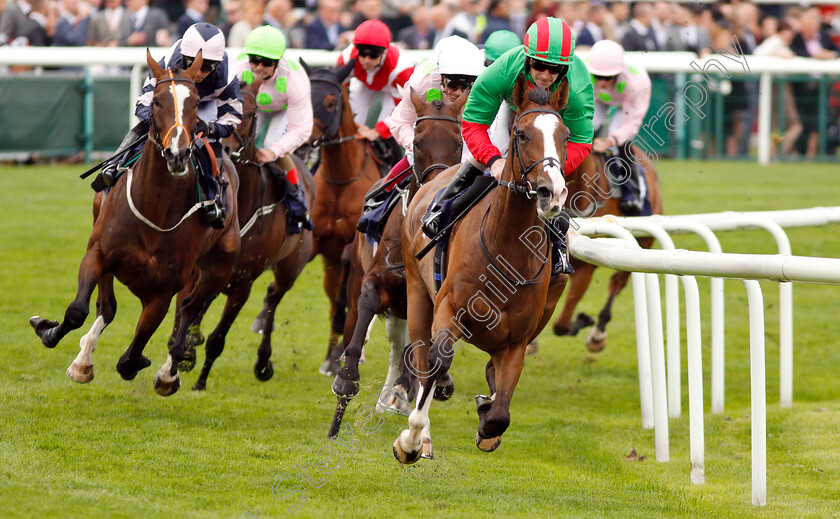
[[376, 280], [497, 293], [147, 234], [590, 195], [346, 172], [265, 244]]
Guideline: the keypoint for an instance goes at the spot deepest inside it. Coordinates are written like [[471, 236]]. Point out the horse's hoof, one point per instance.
[[561, 329], [41, 326], [406, 458], [446, 389], [79, 373], [129, 370], [166, 388], [264, 373], [596, 340], [487, 444], [188, 364], [343, 387], [329, 368], [427, 449], [194, 337], [198, 386], [532, 348], [395, 400]]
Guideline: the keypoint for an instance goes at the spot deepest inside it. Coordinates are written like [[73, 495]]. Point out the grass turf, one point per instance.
[[116, 449]]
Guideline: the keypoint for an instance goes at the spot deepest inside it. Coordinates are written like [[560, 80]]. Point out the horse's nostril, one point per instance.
[[543, 192]]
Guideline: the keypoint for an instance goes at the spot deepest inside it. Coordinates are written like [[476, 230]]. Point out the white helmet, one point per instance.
[[206, 38], [455, 55], [606, 58]]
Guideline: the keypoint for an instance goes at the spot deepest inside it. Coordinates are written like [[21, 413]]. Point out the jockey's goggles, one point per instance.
[[605, 78], [369, 51], [207, 65], [544, 66], [262, 60], [456, 81]]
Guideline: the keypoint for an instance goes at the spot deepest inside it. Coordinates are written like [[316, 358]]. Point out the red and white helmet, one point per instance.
[[606, 58], [206, 38], [372, 32]]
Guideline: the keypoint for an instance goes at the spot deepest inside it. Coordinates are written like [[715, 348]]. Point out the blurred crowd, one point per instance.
[[761, 29]]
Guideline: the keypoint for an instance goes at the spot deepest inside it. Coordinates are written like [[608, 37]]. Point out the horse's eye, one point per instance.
[[521, 135], [156, 101]]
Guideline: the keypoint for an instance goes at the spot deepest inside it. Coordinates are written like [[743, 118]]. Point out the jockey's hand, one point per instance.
[[600, 145], [370, 134], [497, 168], [265, 155], [208, 129]]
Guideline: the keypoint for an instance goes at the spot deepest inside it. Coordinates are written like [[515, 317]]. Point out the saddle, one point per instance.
[[386, 153], [372, 223]]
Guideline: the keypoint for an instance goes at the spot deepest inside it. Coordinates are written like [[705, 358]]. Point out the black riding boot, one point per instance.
[[215, 213], [632, 202], [108, 175], [463, 179]]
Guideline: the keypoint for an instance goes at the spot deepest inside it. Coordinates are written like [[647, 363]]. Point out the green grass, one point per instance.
[[116, 449]]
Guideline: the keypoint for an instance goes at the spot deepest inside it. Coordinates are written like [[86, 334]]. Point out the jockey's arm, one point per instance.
[[228, 104], [404, 115], [298, 115], [635, 106], [395, 90]]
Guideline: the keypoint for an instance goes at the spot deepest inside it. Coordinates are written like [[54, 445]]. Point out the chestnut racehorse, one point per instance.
[[265, 243], [590, 195], [497, 293], [376, 281], [148, 235]]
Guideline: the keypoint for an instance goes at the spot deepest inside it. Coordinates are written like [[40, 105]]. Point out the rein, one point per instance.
[[522, 184]]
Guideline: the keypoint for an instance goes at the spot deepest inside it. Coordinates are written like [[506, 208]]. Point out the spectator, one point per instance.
[[593, 29], [195, 12], [366, 10], [498, 18], [769, 27], [278, 14], [398, 14], [324, 32], [518, 16], [146, 27], [639, 35], [252, 17], [72, 26], [620, 14], [812, 41], [15, 16], [440, 15], [541, 9], [663, 18], [104, 28], [567, 11], [232, 13], [685, 35], [174, 9], [778, 45], [465, 21], [421, 34], [39, 28]]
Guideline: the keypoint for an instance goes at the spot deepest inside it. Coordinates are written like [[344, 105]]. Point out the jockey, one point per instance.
[[546, 59], [379, 68], [284, 108], [622, 96], [498, 43], [220, 108], [451, 70]]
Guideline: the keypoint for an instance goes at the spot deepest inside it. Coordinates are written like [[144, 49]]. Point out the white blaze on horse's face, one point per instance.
[[180, 93], [551, 205]]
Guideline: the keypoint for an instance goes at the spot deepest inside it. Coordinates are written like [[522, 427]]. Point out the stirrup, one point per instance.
[[429, 225]]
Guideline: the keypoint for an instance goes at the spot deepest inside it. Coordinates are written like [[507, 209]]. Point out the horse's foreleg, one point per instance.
[[496, 419], [216, 340], [81, 370], [132, 360], [51, 332], [578, 283]]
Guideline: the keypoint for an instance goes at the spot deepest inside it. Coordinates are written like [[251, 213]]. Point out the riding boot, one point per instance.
[[632, 200], [559, 226], [215, 213], [463, 179], [107, 177]]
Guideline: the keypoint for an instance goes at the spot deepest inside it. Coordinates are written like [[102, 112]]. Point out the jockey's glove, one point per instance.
[[208, 129]]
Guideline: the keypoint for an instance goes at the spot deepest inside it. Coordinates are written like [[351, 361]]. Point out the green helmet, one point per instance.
[[265, 41], [498, 43], [550, 40]]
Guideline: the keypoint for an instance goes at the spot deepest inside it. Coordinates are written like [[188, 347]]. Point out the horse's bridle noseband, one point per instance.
[[331, 128], [162, 144], [522, 184], [420, 178]]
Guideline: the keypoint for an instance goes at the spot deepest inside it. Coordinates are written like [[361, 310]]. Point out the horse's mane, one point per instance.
[[538, 95]]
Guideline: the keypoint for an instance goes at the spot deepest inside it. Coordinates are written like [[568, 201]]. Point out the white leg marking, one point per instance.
[[397, 329], [163, 373], [88, 343]]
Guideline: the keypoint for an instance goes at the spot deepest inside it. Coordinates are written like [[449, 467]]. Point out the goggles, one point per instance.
[[261, 60], [456, 81], [207, 65], [370, 51], [544, 66]]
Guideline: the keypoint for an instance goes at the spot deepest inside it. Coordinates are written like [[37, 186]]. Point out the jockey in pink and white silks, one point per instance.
[[622, 98]]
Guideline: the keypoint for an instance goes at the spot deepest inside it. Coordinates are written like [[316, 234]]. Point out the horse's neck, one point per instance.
[[153, 185], [514, 219], [341, 161]]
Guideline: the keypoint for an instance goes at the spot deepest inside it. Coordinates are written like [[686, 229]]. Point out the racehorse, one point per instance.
[[148, 236], [265, 243], [376, 281], [497, 294], [590, 195], [347, 170]]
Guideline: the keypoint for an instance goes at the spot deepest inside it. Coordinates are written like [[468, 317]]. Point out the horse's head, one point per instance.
[[538, 145], [327, 99], [438, 128], [174, 112], [246, 131]]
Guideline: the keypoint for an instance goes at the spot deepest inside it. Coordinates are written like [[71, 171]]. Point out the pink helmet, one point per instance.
[[606, 58]]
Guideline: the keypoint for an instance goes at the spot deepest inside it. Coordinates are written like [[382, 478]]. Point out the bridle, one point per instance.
[[243, 144], [163, 144], [331, 128], [522, 184], [421, 177]]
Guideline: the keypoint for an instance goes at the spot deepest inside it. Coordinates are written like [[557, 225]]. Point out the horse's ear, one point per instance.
[[157, 70], [461, 101], [195, 68], [560, 97], [520, 92], [343, 72], [305, 66], [416, 100]]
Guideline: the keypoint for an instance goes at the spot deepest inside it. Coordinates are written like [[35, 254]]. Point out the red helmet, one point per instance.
[[372, 32]]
